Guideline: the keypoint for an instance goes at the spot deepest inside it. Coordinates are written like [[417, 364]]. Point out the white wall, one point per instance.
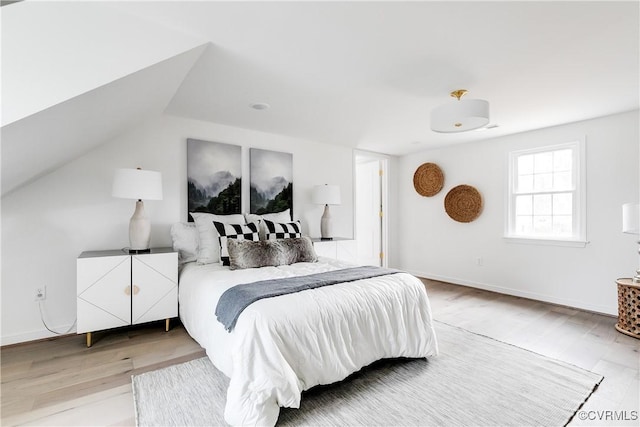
[[430, 244], [48, 223]]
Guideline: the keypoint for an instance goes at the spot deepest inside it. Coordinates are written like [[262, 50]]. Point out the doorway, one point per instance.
[[370, 204]]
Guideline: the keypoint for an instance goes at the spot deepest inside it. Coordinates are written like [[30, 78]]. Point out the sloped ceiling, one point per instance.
[[54, 51], [75, 75], [42, 142], [360, 74], [368, 74]]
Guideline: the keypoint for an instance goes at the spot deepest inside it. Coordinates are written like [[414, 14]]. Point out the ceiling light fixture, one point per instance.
[[460, 116]]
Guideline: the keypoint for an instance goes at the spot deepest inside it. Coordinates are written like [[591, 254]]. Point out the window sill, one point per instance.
[[546, 242]]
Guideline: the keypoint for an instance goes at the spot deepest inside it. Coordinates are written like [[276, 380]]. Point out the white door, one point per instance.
[[369, 210]]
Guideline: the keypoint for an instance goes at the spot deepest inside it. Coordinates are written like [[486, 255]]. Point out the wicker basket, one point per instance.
[[428, 179], [628, 308], [463, 203]]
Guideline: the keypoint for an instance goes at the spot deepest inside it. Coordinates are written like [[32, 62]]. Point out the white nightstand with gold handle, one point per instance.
[[116, 289]]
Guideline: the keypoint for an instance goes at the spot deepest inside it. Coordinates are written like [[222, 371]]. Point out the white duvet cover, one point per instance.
[[284, 345]]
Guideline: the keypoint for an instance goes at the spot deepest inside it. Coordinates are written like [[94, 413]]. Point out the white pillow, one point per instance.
[[284, 216], [185, 241], [209, 246]]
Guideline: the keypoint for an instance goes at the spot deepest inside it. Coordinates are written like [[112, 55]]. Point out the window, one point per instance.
[[546, 194]]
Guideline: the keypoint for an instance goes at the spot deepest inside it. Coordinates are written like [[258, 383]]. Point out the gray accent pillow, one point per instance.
[[263, 253]]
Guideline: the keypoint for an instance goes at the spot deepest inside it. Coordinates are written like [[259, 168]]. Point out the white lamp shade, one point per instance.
[[137, 184], [631, 218], [326, 195], [460, 116]]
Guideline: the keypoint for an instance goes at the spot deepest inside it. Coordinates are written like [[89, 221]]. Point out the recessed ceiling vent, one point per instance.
[[260, 106]]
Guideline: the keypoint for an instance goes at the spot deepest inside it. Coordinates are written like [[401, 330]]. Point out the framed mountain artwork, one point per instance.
[[271, 179], [214, 177]]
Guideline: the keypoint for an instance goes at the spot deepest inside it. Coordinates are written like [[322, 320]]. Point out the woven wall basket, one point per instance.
[[463, 203], [428, 179]]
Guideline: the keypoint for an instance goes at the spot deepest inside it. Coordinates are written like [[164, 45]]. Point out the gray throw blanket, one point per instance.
[[235, 299]]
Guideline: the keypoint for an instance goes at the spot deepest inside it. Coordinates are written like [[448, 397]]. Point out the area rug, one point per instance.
[[474, 381]]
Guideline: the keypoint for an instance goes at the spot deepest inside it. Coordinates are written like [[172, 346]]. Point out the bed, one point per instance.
[[284, 345]]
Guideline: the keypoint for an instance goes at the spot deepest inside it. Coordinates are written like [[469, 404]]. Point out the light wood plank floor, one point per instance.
[[61, 382]]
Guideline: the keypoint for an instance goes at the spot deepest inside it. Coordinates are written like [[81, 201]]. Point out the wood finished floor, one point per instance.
[[61, 382]]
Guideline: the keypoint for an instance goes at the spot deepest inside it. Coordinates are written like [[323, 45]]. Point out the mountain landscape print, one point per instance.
[[214, 177], [271, 180]]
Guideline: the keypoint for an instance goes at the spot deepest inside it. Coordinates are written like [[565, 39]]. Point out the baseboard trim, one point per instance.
[[40, 335], [518, 293]]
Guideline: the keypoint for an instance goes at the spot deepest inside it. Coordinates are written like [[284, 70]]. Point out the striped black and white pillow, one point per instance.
[[234, 231], [282, 230]]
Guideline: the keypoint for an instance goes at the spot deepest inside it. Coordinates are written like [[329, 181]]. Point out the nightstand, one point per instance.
[[115, 288], [340, 248], [628, 307]]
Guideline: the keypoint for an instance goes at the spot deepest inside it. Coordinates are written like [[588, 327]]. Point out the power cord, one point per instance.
[[47, 326]]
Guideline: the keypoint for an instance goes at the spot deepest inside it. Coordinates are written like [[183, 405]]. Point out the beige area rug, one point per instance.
[[475, 381]]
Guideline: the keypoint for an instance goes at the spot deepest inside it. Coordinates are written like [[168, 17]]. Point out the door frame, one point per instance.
[[384, 198]]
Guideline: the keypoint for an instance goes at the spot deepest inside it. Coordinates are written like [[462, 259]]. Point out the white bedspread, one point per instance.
[[282, 346]]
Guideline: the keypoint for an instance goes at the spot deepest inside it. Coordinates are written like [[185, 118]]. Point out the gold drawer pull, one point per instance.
[[127, 290], [136, 289]]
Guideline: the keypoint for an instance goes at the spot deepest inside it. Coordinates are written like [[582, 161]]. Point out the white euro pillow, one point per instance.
[[209, 246], [185, 241]]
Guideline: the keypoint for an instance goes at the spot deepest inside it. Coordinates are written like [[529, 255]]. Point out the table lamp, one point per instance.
[[138, 184], [326, 195]]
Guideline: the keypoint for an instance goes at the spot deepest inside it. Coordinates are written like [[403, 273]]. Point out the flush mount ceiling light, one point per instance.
[[461, 115]]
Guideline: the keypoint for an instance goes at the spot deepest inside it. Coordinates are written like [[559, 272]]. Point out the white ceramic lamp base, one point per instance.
[[139, 230], [326, 226]]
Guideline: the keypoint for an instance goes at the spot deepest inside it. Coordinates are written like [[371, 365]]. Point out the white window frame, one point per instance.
[[579, 215]]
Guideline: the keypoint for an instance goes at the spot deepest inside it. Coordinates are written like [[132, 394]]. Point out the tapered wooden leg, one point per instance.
[[166, 325], [89, 339]]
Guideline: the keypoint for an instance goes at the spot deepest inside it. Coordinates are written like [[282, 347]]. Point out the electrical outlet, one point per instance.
[[41, 293]]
